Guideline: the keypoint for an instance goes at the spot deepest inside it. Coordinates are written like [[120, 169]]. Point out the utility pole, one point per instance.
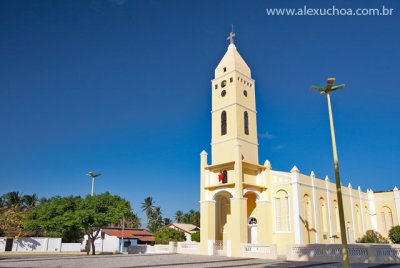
[[326, 90]]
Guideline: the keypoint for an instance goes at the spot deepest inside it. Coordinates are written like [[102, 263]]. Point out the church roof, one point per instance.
[[232, 61]]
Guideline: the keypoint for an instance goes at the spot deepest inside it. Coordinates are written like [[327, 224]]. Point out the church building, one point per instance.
[[245, 202]]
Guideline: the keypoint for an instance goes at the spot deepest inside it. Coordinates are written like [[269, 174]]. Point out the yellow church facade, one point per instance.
[[244, 202]]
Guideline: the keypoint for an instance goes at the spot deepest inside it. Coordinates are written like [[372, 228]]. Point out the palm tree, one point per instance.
[[179, 216], [29, 201], [132, 221], [155, 220], [13, 200], [148, 206], [167, 221]]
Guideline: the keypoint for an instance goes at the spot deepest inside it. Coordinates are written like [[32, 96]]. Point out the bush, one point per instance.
[[394, 234], [196, 237], [165, 235], [372, 237]]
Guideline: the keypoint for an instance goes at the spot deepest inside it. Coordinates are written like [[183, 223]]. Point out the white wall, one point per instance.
[[70, 247], [3, 244], [37, 244], [110, 243]]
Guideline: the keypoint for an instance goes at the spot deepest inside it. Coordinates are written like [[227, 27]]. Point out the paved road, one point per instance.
[[165, 260]]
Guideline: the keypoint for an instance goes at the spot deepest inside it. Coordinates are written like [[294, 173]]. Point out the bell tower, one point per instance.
[[234, 115]]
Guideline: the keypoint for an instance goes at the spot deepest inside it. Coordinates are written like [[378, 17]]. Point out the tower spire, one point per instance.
[[231, 37]]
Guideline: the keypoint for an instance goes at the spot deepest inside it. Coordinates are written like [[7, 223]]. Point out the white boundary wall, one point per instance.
[[188, 248], [173, 247], [37, 244], [263, 251], [70, 247], [361, 253], [3, 244]]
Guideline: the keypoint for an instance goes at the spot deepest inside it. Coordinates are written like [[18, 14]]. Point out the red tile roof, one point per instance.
[[138, 234]]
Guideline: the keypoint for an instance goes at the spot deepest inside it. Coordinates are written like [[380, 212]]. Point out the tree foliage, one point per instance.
[[98, 211], [394, 234], [165, 235], [196, 237], [14, 209], [56, 217], [192, 217], [372, 237]]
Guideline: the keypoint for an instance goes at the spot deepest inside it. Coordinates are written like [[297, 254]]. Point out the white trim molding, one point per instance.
[[397, 202], [315, 208], [234, 138], [298, 235], [234, 103], [328, 197]]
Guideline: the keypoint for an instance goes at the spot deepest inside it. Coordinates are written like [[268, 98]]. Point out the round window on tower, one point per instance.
[[223, 93], [223, 83], [245, 93]]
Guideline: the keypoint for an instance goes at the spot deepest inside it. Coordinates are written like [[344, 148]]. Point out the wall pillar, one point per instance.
[[396, 193], [238, 171], [315, 208], [203, 164], [297, 225], [328, 197], [353, 223], [362, 211], [263, 222], [238, 228], [372, 209], [207, 223]]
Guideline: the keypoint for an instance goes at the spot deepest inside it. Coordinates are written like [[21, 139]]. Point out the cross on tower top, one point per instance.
[[231, 37]]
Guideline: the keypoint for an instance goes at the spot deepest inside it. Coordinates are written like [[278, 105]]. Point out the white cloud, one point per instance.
[[266, 136]]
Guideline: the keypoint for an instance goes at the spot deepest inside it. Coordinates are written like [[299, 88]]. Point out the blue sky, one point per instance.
[[123, 88]]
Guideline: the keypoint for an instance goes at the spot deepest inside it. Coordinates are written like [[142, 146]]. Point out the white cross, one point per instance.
[[231, 36]]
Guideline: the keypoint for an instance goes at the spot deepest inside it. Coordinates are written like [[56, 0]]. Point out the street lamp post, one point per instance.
[[93, 176], [326, 90]]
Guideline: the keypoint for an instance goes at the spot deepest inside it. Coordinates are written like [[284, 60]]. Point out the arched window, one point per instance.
[[282, 217], [223, 123], [335, 205], [358, 218], [246, 123], [307, 211], [323, 214], [387, 219], [225, 179], [367, 218]]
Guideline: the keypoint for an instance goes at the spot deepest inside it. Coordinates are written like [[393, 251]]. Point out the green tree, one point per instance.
[[156, 220], [179, 216], [165, 235], [372, 237], [12, 222], [166, 221], [13, 213], [13, 200], [148, 206], [56, 217], [196, 237], [29, 201], [132, 221], [98, 211], [192, 217], [394, 234]]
